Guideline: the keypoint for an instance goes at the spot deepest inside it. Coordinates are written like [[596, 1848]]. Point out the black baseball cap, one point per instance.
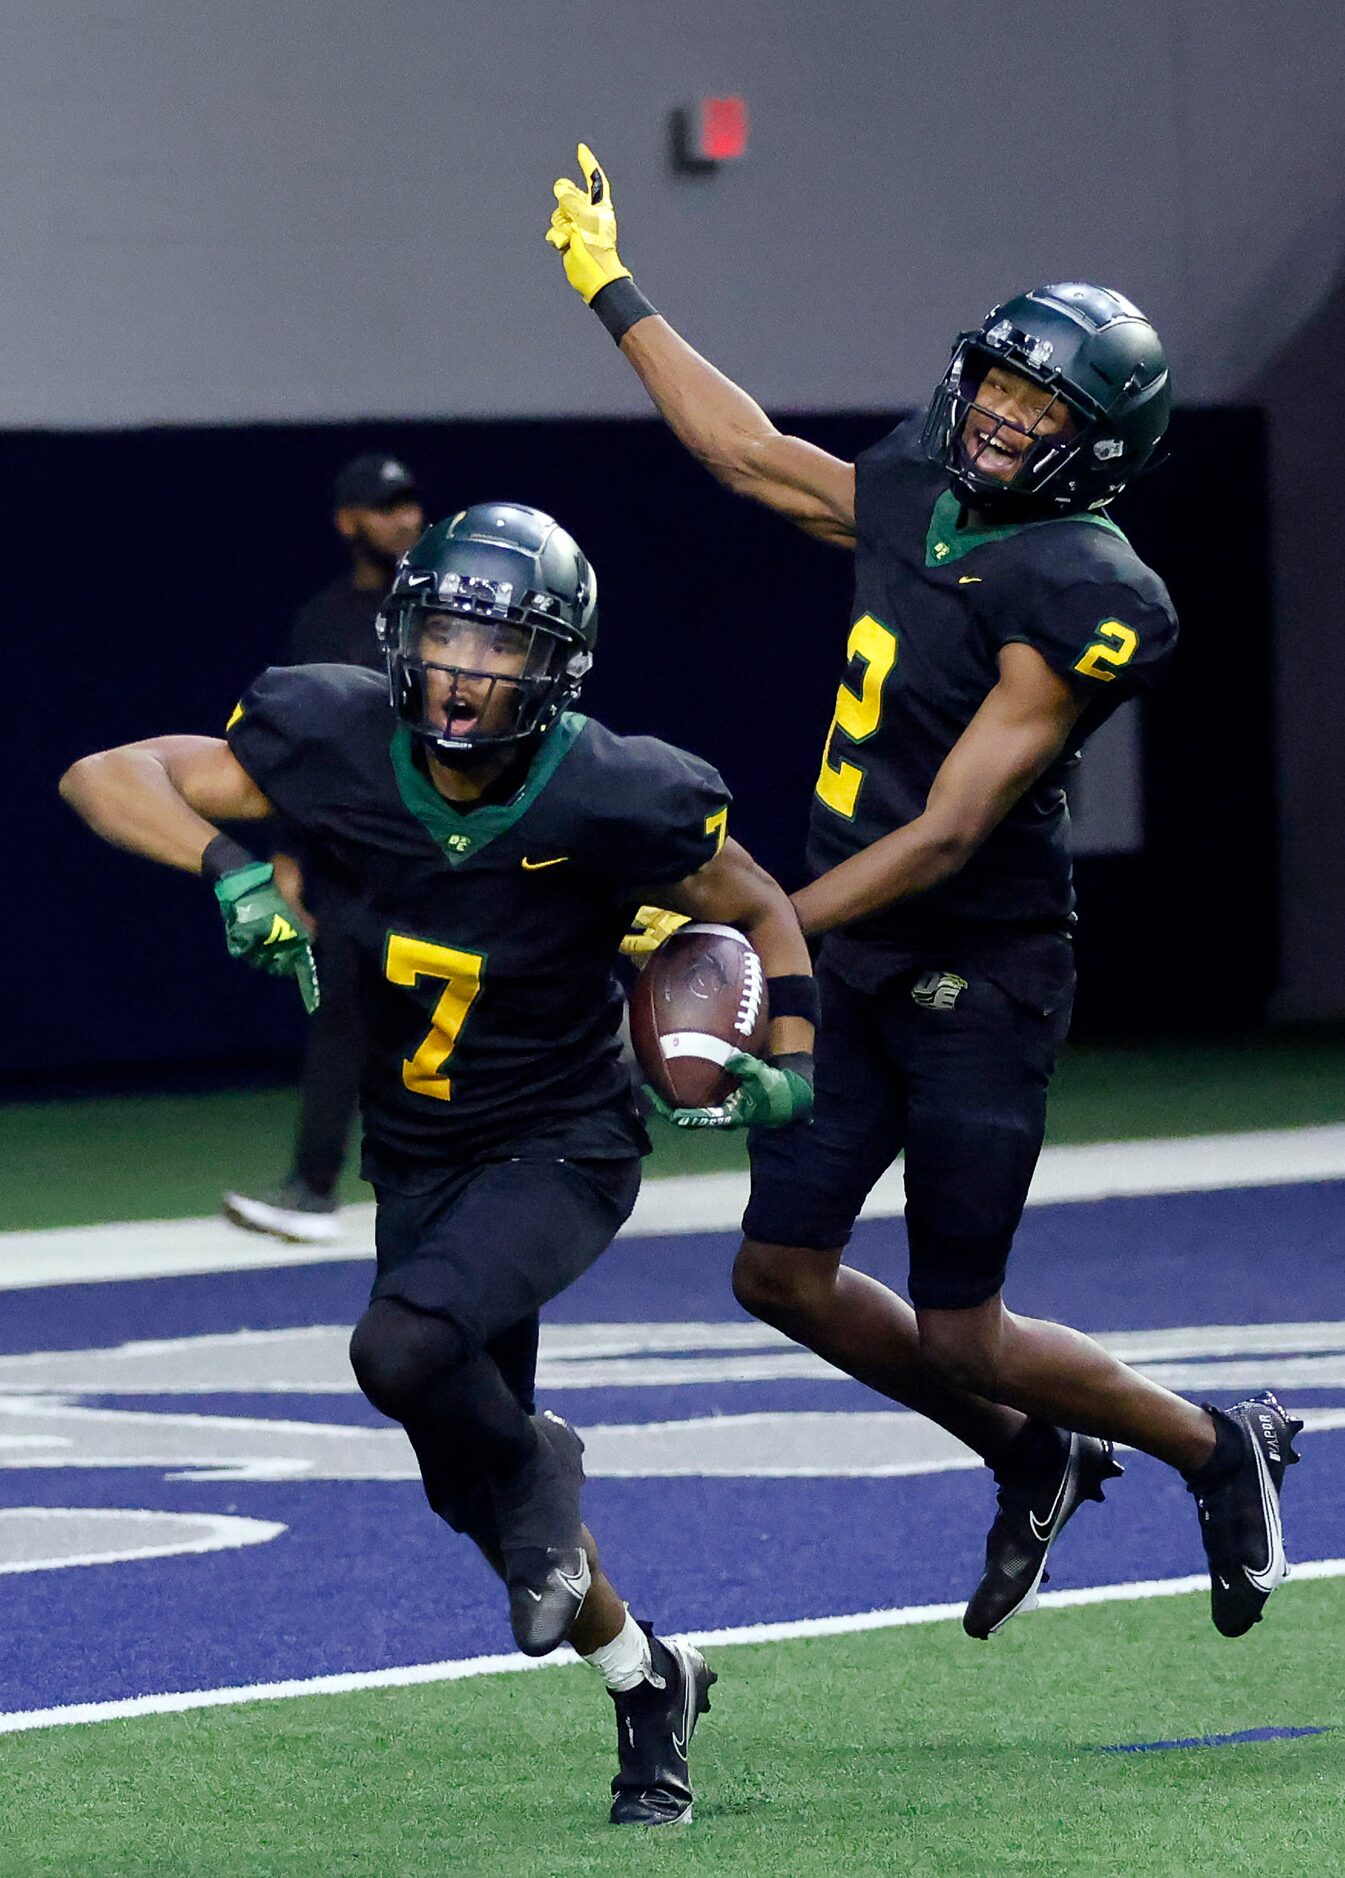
[[372, 482]]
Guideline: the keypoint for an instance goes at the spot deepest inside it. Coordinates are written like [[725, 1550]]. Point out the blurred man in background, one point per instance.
[[377, 512]]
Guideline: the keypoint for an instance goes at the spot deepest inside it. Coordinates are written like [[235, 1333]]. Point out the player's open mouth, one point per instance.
[[992, 449], [461, 723]]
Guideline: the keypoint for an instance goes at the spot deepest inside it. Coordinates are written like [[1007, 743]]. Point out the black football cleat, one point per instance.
[[1237, 1495], [654, 1725], [546, 1568], [546, 1589], [1040, 1488]]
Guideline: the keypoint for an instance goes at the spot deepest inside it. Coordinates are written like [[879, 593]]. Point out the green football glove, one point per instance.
[[766, 1097], [262, 927], [583, 229]]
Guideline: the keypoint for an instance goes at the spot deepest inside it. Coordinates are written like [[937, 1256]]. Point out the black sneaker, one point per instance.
[[654, 1725], [1043, 1478], [546, 1567], [1237, 1494]]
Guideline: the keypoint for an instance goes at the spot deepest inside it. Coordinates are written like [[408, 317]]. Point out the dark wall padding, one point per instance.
[[150, 574]]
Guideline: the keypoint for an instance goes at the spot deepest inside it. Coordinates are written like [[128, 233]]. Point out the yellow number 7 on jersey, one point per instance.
[[410, 959]]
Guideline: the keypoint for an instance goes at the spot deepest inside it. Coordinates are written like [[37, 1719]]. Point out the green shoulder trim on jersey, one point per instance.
[[462, 834], [945, 542]]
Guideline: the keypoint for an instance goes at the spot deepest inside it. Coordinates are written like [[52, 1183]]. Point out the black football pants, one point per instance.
[[467, 1257], [958, 1081]]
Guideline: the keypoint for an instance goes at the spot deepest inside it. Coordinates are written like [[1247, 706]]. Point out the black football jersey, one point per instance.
[[934, 603], [488, 938]]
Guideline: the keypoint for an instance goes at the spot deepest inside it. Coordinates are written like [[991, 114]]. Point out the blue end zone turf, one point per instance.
[[363, 1577]]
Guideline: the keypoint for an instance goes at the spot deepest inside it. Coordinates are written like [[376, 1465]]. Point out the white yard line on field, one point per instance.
[[682, 1203], [176, 1703]]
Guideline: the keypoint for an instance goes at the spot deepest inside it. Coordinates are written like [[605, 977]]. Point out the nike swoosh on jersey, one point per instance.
[[535, 867], [969, 580]]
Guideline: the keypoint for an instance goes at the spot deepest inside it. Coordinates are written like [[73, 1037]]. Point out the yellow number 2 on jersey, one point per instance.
[[408, 960], [1114, 646], [857, 713]]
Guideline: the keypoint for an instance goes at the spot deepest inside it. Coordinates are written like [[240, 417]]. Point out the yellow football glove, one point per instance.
[[583, 229], [650, 927]]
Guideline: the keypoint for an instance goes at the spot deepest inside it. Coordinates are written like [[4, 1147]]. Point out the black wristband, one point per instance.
[[794, 994], [800, 1061], [620, 305], [224, 856]]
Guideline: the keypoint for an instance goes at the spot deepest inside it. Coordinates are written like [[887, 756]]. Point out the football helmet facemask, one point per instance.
[[1101, 362], [488, 630]]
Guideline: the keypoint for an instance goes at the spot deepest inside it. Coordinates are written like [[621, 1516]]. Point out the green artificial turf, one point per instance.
[[1117, 1093], [76, 1163], [903, 1751]]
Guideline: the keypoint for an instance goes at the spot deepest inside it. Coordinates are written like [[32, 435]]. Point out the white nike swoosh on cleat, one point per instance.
[[536, 1596], [1046, 1530], [688, 1705], [1276, 1568]]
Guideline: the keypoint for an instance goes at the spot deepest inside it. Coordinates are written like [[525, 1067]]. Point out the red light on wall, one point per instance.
[[723, 123], [710, 132]]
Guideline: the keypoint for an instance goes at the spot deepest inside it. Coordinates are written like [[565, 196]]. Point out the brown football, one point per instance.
[[701, 997]]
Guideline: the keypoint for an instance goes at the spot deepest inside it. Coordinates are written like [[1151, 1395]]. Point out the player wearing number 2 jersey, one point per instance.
[[999, 617], [487, 846]]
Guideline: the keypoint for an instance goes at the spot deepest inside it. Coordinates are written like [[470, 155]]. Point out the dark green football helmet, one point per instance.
[[1099, 357], [489, 628]]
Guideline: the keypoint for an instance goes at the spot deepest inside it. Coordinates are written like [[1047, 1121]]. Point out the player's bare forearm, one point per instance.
[[732, 890], [157, 798], [721, 426], [1017, 733], [717, 421], [907, 862], [728, 432]]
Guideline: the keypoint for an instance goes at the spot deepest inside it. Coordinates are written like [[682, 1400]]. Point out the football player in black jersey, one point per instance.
[[489, 846], [999, 617]]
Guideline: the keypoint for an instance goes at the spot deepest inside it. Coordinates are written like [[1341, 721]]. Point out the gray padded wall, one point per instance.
[[317, 208]]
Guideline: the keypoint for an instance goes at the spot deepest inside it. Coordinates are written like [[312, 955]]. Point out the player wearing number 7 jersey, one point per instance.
[[1000, 616], [489, 847]]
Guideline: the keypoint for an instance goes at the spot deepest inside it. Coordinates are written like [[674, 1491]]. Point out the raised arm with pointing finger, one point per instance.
[[717, 421]]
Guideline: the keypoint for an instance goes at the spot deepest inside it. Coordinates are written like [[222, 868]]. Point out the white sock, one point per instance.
[[625, 1662]]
